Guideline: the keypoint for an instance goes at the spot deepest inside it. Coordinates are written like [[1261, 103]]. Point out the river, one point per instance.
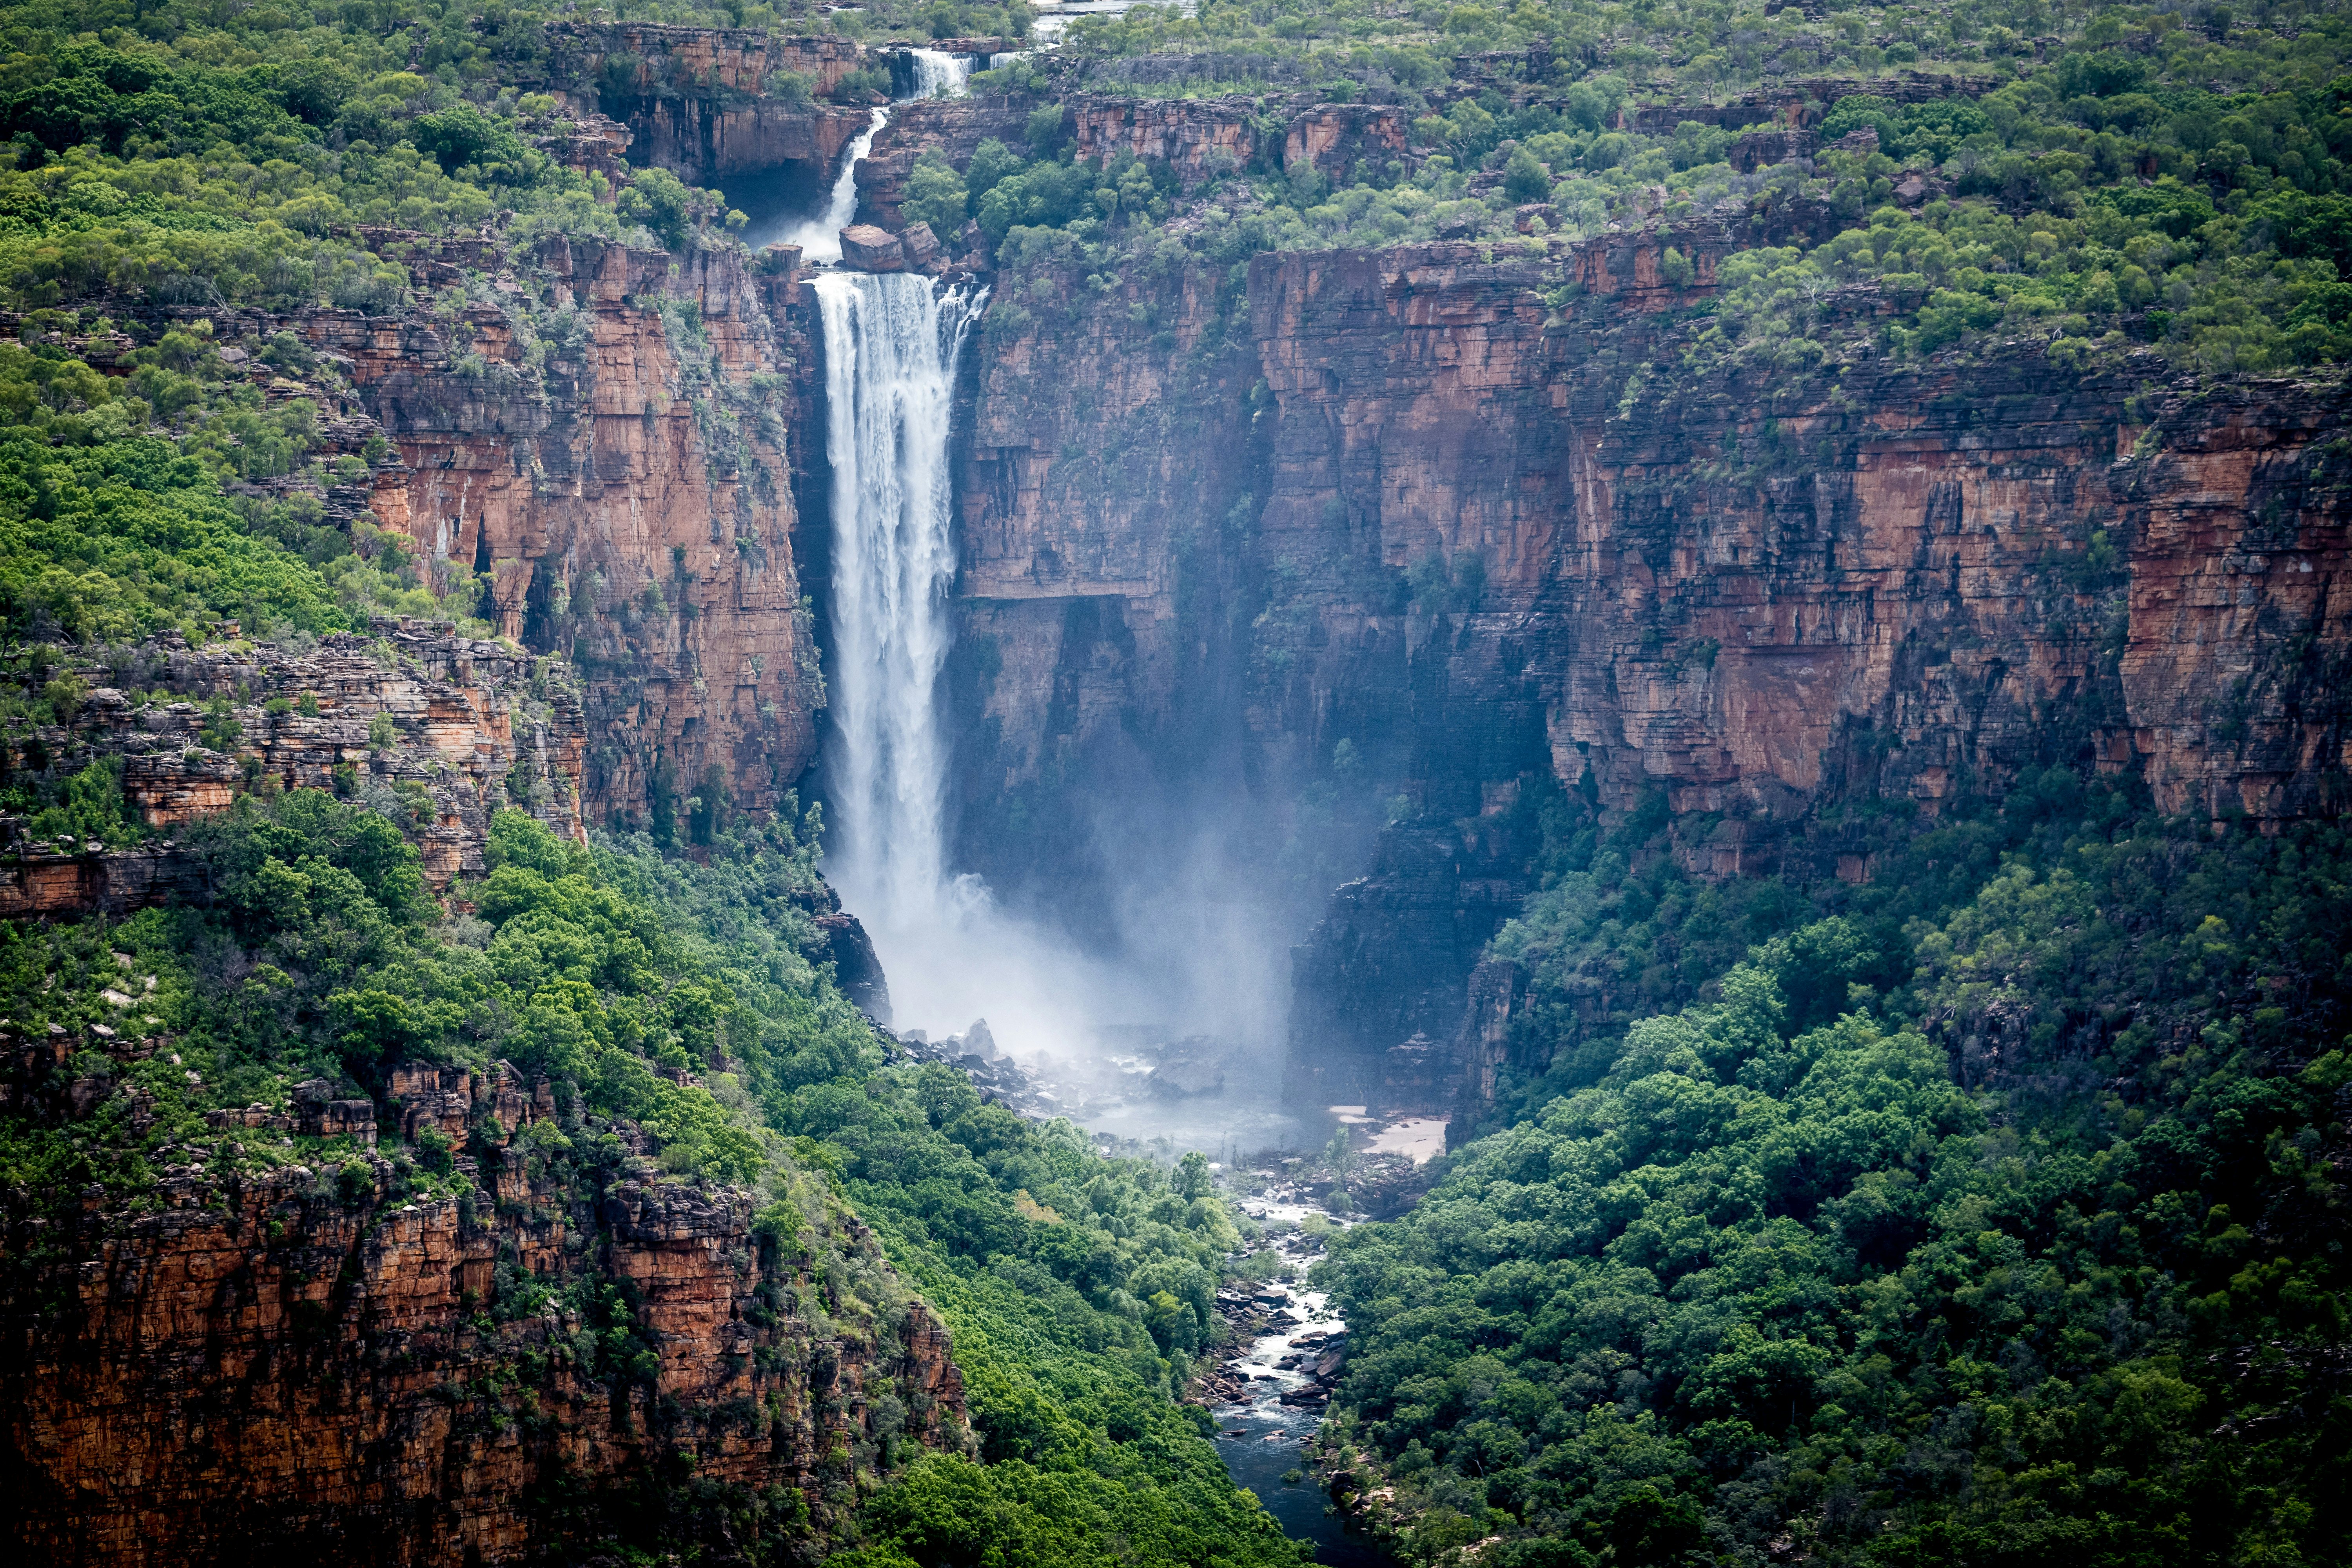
[[1262, 1439]]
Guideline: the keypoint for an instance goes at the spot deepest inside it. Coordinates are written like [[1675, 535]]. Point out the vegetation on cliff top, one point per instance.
[[2100, 179], [1989, 1214]]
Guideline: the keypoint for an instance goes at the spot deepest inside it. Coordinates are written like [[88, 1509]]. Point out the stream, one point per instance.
[[1262, 1439]]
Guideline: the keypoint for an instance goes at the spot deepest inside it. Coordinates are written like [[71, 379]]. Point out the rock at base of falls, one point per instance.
[[872, 249]]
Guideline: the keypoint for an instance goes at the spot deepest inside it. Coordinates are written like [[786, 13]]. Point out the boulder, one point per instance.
[[871, 249], [920, 245]]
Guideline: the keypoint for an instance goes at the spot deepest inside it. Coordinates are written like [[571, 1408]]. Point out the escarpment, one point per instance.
[[697, 99], [1349, 564], [274, 1357], [1493, 547], [601, 434]]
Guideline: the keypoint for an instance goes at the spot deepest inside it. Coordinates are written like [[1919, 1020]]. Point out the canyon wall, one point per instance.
[[699, 101], [603, 434], [272, 1363], [438, 730], [1476, 552]]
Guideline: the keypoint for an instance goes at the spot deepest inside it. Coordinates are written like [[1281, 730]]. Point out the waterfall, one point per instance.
[[820, 237], [891, 342], [938, 74]]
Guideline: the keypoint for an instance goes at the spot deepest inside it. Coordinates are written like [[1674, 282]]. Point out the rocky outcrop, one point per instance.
[[609, 444], [1805, 102], [439, 730], [710, 102], [1341, 141], [1196, 137], [871, 249], [951, 127], [289, 1358], [642, 58]]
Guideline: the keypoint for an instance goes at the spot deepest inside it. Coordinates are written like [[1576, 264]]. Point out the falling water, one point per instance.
[[819, 237], [938, 74], [892, 342]]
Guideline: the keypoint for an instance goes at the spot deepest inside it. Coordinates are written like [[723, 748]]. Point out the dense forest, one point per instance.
[[1991, 1211], [2156, 191], [675, 1004], [1992, 1218]]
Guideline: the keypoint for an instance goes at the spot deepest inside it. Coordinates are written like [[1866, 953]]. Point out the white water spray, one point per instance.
[[938, 74], [1192, 956], [891, 343], [820, 237]]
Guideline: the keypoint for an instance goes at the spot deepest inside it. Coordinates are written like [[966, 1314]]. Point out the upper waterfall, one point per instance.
[[820, 237], [938, 74], [892, 342]]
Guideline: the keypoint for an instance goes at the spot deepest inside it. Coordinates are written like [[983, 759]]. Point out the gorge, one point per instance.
[[1741, 621]]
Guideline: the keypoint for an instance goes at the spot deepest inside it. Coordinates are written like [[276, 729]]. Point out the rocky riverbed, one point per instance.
[[1268, 1398]]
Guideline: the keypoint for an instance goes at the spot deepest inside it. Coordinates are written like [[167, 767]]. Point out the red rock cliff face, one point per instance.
[[1478, 537], [1096, 561], [605, 435], [299, 1363], [699, 100]]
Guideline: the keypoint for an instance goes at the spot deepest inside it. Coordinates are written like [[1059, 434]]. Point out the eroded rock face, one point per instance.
[[699, 101], [440, 728], [1479, 553], [952, 127], [299, 1362], [1195, 136], [611, 444], [1339, 139]]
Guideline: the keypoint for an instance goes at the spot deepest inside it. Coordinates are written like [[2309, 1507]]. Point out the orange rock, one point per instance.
[[631, 500], [254, 1364]]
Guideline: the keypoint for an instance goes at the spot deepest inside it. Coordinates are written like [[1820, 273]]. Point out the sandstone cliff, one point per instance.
[[1486, 542], [603, 433], [438, 730], [699, 101], [303, 1356]]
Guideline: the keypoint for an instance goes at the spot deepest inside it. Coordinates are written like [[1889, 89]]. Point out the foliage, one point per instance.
[[1938, 1272], [690, 1002], [2146, 182], [935, 194]]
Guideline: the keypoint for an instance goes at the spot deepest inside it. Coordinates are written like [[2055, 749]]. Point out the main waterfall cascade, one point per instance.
[[1184, 959], [1191, 965], [891, 342]]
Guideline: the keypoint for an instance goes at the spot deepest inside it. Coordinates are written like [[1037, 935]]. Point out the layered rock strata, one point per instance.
[[300, 1360], [706, 103], [439, 729], [605, 437], [1482, 553]]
